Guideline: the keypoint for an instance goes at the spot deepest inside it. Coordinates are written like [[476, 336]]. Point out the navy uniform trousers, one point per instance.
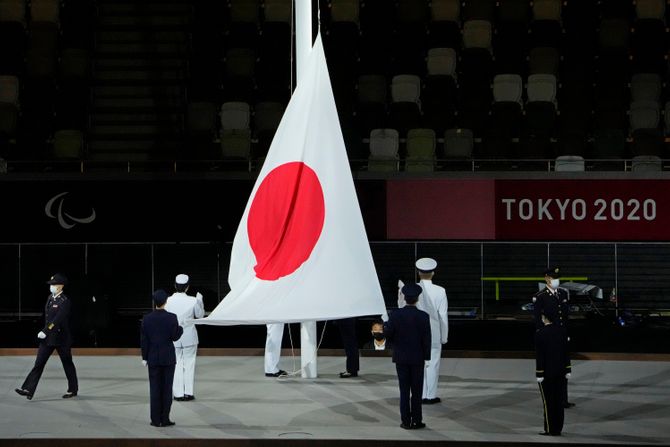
[[552, 390], [160, 392], [410, 378], [43, 354], [347, 327]]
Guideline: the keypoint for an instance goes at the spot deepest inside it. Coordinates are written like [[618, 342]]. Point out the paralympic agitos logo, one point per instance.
[[55, 209]]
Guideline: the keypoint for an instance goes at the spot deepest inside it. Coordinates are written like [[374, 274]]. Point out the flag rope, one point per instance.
[[295, 372]]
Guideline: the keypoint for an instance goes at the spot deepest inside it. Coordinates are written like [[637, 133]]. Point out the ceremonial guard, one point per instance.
[[408, 328], [159, 330], [55, 335], [433, 301], [555, 300], [186, 308], [273, 338], [552, 369]]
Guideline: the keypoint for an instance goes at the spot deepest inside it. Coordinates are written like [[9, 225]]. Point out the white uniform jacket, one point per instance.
[[186, 307], [434, 302]]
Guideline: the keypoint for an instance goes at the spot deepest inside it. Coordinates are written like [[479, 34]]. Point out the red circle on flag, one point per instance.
[[285, 220]]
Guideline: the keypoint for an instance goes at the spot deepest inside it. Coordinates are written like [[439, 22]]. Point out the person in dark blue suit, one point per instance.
[[408, 329], [159, 330]]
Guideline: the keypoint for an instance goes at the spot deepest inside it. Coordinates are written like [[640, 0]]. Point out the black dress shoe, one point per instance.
[[25, 393], [418, 425], [405, 426], [180, 399], [568, 405], [280, 373], [347, 374], [188, 397], [544, 433], [434, 400], [69, 394], [153, 424], [167, 424]]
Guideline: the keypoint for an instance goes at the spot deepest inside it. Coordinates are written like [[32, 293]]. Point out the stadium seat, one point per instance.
[[646, 87], [236, 146], [650, 9], [384, 147], [609, 145], [405, 107], [371, 103], [9, 90], [420, 148], [476, 64], [546, 27], [543, 60], [235, 116], [644, 114], [479, 10], [201, 120], [45, 11], [648, 141], [68, 144], [569, 163], [75, 65], [458, 144], [13, 11], [444, 29], [239, 71], [507, 108], [278, 11], [646, 163]]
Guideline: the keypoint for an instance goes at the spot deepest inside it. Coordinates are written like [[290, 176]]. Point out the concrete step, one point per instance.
[[118, 36], [161, 22], [137, 91], [135, 63], [120, 118], [139, 75], [124, 48], [129, 104], [129, 131], [144, 8]]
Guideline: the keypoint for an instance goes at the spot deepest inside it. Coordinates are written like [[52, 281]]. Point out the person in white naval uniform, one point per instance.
[[186, 307], [273, 338], [433, 301]]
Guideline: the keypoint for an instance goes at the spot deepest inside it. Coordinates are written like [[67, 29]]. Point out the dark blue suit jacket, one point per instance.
[[159, 329], [408, 329]]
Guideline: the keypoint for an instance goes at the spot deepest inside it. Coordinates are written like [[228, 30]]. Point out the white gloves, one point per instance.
[[198, 296], [144, 363], [41, 335], [568, 375], [539, 379]]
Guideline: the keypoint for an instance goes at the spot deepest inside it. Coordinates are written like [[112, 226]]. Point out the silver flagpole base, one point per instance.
[[308, 344]]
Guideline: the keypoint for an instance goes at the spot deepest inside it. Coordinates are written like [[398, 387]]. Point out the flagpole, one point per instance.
[[303, 46]]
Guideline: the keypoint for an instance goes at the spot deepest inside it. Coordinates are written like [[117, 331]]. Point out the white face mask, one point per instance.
[[53, 289], [554, 283]]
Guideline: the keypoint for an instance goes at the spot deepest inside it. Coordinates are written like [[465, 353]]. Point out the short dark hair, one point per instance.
[[181, 287], [376, 322], [411, 299]]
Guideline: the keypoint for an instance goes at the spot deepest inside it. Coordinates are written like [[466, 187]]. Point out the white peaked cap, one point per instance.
[[181, 279], [426, 264]]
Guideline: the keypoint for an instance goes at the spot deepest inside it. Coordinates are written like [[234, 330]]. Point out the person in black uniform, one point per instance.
[[408, 328], [347, 327], [554, 300], [379, 341], [55, 335], [159, 330], [552, 368]]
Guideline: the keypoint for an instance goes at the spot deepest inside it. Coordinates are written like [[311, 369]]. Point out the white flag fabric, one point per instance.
[[300, 252]]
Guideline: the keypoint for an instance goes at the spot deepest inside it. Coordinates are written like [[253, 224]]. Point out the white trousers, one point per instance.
[[432, 374], [184, 372], [275, 333]]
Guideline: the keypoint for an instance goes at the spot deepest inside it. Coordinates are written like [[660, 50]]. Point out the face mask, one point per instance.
[[378, 335], [555, 283], [53, 289]]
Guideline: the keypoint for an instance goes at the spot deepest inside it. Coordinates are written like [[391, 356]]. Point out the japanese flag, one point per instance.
[[300, 252]]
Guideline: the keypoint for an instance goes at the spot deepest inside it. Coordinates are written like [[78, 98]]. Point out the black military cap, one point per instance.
[[553, 272], [160, 296], [411, 290], [57, 279]]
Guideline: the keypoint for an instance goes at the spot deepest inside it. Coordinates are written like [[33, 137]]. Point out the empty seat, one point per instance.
[[476, 62], [648, 142], [445, 10], [420, 150], [540, 118], [650, 9], [507, 109], [371, 102], [235, 116], [541, 87], [458, 144], [405, 108], [477, 34], [609, 144], [507, 88], [277, 11], [201, 119], [68, 144], [9, 116], [613, 36], [244, 11], [646, 87], [569, 163], [644, 115], [13, 11], [45, 11], [543, 60], [236, 145], [479, 10], [442, 61], [546, 27], [444, 29], [75, 64], [646, 163], [267, 116], [345, 11], [9, 90], [384, 146]]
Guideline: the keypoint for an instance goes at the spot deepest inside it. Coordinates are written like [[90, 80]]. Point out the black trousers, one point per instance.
[[551, 390], [43, 353], [160, 392], [410, 382], [347, 327]]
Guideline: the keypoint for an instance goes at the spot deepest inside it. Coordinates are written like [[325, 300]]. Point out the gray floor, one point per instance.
[[483, 400]]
